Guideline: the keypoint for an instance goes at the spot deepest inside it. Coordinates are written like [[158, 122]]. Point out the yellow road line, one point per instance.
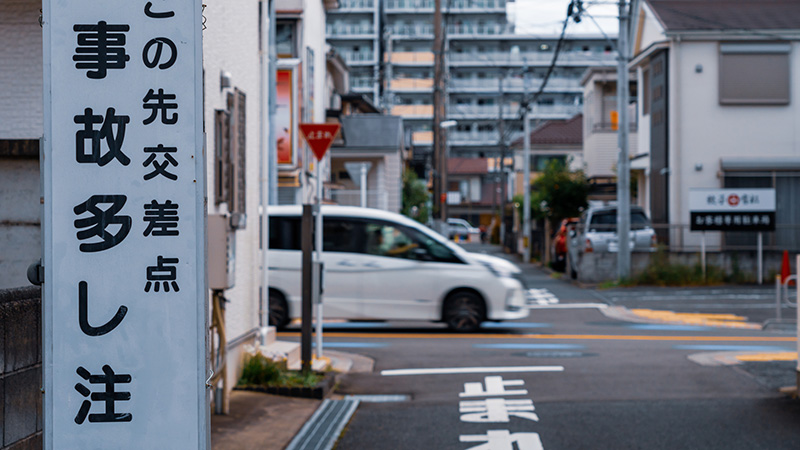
[[711, 320], [764, 357], [595, 337]]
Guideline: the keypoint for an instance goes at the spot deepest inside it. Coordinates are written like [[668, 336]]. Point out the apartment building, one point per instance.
[[485, 62]]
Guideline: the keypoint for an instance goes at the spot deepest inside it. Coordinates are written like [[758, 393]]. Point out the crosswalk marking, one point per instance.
[[541, 297]]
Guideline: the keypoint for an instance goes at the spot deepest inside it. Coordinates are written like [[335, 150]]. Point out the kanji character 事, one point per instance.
[[100, 47]]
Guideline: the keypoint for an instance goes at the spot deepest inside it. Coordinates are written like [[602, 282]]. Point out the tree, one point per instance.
[[558, 193], [415, 197]]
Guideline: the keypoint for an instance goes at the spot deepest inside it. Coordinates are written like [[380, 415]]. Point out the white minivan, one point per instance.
[[384, 266]]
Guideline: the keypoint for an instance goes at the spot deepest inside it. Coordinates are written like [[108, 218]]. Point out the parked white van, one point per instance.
[[384, 266]]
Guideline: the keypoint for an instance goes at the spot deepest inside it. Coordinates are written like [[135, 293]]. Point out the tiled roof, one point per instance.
[[556, 132], [685, 15], [467, 166]]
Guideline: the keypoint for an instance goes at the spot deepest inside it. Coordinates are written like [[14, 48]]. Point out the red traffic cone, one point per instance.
[[786, 270]]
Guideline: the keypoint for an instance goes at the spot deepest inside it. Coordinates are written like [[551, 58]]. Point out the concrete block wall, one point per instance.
[[20, 369]]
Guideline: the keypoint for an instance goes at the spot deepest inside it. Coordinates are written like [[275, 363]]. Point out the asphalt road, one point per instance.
[[572, 376]]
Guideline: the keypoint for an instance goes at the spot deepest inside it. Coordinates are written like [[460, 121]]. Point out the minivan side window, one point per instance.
[[397, 241], [343, 235], [284, 233]]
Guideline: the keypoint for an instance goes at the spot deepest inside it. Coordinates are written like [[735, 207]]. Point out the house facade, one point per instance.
[[718, 108]]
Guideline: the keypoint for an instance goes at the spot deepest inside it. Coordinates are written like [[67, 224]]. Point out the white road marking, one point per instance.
[[541, 297], [456, 370], [570, 306]]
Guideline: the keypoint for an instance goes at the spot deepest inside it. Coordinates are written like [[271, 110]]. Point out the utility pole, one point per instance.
[[526, 169], [501, 130], [388, 96], [623, 164], [439, 153]]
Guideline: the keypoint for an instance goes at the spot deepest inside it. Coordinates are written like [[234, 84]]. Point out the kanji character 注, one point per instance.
[[109, 396]]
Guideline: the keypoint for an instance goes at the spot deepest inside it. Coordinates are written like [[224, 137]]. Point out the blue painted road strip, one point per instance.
[[515, 325], [513, 346]]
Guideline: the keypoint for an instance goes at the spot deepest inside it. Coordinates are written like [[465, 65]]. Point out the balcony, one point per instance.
[[559, 84], [511, 111], [350, 30], [412, 85], [421, 30], [500, 59], [456, 6], [358, 58], [351, 6], [410, 58], [413, 111], [471, 29], [422, 137], [473, 138]]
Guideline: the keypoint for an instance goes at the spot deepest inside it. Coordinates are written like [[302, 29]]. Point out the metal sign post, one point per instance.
[[125, 298], [319, 137]]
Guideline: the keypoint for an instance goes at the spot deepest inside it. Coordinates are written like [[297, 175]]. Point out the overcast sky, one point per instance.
[[546, 17]]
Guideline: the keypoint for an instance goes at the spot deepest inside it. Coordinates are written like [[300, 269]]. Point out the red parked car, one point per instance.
[[560, 243]]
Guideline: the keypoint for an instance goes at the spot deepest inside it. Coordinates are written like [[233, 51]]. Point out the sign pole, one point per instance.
[[319, 137], [703, 254], [760, 257], [318, 262]]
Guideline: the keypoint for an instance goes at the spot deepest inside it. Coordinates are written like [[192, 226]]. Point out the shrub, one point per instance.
[[259, 370]]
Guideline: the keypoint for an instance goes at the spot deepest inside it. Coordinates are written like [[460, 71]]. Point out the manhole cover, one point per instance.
[[554, 354]]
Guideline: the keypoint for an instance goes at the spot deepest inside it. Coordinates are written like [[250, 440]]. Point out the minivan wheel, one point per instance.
[[464, 311], [278, 310]]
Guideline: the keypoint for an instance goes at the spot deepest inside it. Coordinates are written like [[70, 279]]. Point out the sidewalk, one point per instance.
[[269, 422]]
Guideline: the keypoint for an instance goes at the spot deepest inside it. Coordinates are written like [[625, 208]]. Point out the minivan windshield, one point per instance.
[[607, 221]]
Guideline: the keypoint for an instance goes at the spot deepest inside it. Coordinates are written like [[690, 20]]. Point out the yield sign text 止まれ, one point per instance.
[[319, 136]]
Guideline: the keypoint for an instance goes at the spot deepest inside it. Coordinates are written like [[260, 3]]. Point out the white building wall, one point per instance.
[[20, 118], [231, 44], [20, 219], [600, 154], [20, 70], [703, 131]]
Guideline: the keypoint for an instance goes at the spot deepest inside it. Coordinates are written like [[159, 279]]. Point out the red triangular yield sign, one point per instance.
[[319, 136]]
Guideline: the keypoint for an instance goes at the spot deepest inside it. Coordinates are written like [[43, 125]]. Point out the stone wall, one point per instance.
[[21, 365]]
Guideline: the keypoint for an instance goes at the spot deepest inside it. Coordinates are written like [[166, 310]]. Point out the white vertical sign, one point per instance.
[[124, 318]]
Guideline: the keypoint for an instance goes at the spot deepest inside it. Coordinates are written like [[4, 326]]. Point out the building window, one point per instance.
[[754, 73], [646, 92], [286, 38]]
